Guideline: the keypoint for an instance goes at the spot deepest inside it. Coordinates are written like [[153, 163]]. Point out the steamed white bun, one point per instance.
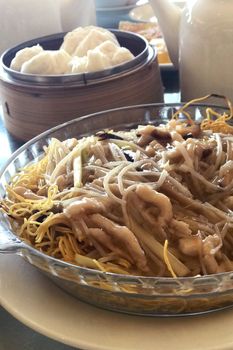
[[87, 49], [78, 65], [121, 55], [107, 48], [96, 61], [24, 55], [80, 40], [72, 40], [104, 56], [48, 63], [91, 41]]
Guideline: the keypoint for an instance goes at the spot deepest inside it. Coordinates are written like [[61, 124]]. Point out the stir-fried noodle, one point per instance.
[[154, 201]]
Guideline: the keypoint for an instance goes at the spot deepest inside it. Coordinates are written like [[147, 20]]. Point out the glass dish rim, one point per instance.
[[78, 79], [91, 272]]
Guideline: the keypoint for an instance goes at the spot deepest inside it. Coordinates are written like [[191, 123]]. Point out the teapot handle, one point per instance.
[[169, 17]]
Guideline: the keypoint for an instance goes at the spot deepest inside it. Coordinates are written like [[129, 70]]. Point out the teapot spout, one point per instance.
[[169, 16]]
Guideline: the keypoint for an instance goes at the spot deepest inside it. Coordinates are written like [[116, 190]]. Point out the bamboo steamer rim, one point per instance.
[[146, 55]]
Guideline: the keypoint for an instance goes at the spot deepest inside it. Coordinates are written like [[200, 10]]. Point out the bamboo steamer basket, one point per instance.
[[33, 103]]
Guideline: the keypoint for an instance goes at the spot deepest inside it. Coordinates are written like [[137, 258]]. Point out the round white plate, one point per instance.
[[34, 300]]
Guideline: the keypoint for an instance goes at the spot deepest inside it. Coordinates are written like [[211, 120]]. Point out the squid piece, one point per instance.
[[191, 246], [188, 131], [226, 173], [151, 132], [157, 199], [83, 206], [121, 237], [211, 245], [205, 249], [27, 193], [180, 228]]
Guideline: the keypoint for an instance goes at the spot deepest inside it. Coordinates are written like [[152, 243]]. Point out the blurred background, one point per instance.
[[33, 19]]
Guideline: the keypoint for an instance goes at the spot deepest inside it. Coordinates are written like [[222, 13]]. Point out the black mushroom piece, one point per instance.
[[108, 136], [57, 208], [41, 218], [206, 153], [129, 155]]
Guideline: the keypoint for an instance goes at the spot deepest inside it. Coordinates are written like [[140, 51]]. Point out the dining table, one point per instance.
[[14, 334]]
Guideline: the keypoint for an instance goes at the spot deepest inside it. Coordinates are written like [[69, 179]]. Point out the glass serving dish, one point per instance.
[[152, 296]]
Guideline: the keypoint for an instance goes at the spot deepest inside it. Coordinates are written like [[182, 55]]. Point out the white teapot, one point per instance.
[[200, 43]]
